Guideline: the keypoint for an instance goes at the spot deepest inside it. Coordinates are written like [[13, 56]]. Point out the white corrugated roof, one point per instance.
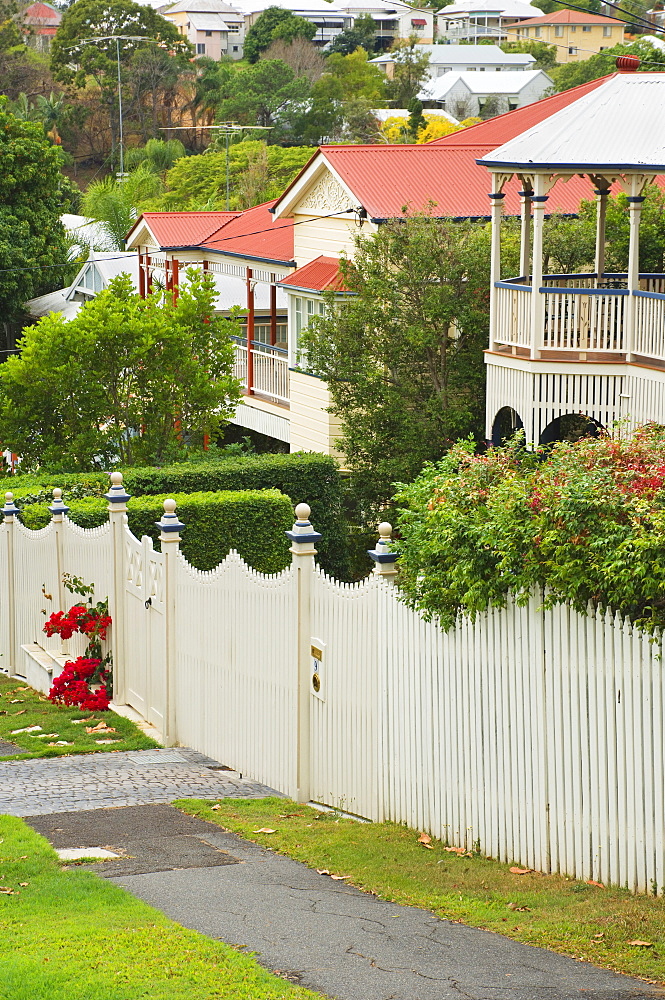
[[618, 125], [506, 8], [511, 82], [465, 55], [199, 7]]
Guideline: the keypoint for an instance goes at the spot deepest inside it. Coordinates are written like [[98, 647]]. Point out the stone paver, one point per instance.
[[132, 778]]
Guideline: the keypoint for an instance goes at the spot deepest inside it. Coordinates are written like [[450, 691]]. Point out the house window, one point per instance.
[[233, 28], [200, 49], [558, 30], [235, 48], [572, 50], [526, 32], [607, 31], [537, 32], [208, 34], [586, 27], [573, 27], [303, 311]]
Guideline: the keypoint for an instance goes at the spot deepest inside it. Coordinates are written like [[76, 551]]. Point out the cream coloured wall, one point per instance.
[[312, 428], [572, 36], [314, 237]]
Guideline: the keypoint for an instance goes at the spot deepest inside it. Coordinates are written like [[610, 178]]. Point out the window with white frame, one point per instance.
[[572, 50], [586, 27], [304, 309], [607, 31], [200, 49], [558, 30]]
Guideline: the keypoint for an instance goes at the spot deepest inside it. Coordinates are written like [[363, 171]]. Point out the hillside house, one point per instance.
[[468, 95], [479, 20], [576, 34], [461, 59], [214, 28]]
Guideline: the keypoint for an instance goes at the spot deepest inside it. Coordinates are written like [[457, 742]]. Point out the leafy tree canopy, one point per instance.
[[569, 75], [544, 54], [115, 206], [409, 72], [361, 35], [403, 354], [349, 78], [267, 93], [32, 238], [273, 24], [100, 18], [116, 381]]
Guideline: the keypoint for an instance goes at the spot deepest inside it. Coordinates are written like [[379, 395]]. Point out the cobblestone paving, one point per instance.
[[97, 781]]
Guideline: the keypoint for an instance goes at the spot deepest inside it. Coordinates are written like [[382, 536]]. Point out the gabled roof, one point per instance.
[[465, 55], [42, 12], [253, 233], [181, 229], [199, 6], [585, 134], [320, 275], [504, 8], [570, 17], [207, 22], [476, 82], [391, 181]]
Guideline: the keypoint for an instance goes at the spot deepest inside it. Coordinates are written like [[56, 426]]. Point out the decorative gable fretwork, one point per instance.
[[326, 196]]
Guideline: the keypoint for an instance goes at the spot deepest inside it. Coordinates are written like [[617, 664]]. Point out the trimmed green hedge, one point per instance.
[[306, 477], [251, 521]]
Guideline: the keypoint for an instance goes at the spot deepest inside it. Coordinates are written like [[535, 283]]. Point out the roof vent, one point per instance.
[[628, 64]]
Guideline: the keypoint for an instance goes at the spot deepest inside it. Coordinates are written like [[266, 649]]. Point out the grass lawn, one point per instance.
[[70, 935], [22, 708], [551, 911]]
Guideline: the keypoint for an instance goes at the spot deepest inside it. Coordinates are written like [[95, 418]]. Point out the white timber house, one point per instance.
[[465, 95], [462, 59], [584, 347], [479, 20]]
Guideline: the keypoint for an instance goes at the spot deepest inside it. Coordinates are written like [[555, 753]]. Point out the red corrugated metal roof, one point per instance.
[[321, 275], [184, 229], [391, 181], [253, 233], [43, 11], [567, 17]]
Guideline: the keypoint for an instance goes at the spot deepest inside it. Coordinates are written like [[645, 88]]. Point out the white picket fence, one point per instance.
[[534, 735]]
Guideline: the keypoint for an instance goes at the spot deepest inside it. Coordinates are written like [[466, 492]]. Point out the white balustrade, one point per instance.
[[513, 315], [650, 325], [578, 322], [271, 374], [240, 363]]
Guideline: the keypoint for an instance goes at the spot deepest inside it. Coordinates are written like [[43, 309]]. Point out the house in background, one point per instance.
[[463, 58], [213, 27], [41, 21], [394, 20], [577, 351], [94, 276], [576, 34], [467, 95], [477, 20]]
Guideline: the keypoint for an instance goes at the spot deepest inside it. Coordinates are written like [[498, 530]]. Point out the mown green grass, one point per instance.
[[69, 935], [551, 911], [21, 708]]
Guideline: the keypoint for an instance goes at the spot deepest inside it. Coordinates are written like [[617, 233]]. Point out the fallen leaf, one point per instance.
[[338, 878], [216, 807], [77, 722], [424, 838], [599, 885], [23, 884], [28, 729], [10, 892], [520, 871], [22, 689], [21, 712], [105, 742], [640, 944], [264, 829], [101, 727], [60, 743], [601, 935], [17, 701], [322, 871], [44, 736], [518, 909], [455, 850]]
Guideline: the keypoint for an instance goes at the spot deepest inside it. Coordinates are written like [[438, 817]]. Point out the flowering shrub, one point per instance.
[[584, 519], [73, 686]]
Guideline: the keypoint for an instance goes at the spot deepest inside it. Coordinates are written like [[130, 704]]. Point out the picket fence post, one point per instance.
[[57, 510], [9, 511], [384, 559], [170, 527], [303, 538], [117, 498]]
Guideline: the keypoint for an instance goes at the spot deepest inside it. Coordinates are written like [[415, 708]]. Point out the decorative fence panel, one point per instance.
[[80, 557], [236, 684], [535, 735]]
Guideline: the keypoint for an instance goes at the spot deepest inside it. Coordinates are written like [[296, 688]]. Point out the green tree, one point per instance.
[[416, 118], [120, 381], [115, 206], [402, 355], [544, 54], [272, 24], [32, 239], [158, 155], [410, 71], [349, 78], [362, 35], [617, 231], [198, 182], [73, 60], [268, 93]]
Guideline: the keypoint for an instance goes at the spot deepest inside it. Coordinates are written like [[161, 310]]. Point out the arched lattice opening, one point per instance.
[[571, 427], [506, 422]]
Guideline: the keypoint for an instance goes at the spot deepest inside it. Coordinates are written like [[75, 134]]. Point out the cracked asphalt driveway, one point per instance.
[[327, 935]]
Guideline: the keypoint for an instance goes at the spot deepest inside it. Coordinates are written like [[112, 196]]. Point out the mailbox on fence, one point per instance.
[[317, 649]]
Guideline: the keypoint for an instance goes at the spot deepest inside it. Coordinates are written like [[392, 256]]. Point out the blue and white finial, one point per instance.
[[170, 525], [58, 507], [10, 508], [383, 557], [116, 496], [302, 535]]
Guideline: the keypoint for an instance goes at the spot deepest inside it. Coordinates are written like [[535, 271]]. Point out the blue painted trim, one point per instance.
[[496, 196], [312, 536], [510, 284], [271, 348], [10, 509], [170, 526], [58, 510], [580, 274], [587, 168], [117, 498], [539, 198], [587, 291], [382, 557], [649, 295], [636, 199]]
